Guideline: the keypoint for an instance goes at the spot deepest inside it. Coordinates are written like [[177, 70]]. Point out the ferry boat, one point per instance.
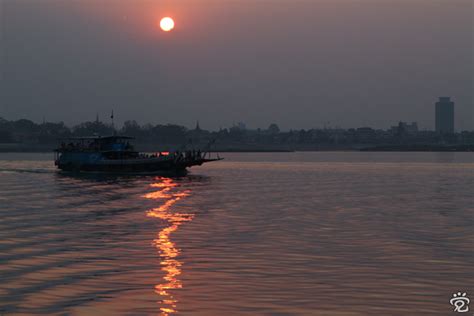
[[116, 154]]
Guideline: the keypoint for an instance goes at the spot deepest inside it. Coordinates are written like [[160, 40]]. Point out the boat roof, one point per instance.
[[114, 137]]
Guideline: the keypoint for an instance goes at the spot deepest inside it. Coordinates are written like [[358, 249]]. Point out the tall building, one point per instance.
[[444, 120]]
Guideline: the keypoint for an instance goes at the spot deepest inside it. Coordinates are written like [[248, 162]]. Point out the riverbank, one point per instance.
[[253, 148], [422, 148]]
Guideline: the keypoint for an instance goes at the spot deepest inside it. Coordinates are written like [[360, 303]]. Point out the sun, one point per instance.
[[167, 24]]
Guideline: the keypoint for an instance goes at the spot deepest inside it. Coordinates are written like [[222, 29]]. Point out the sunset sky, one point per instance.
[[297, 63]]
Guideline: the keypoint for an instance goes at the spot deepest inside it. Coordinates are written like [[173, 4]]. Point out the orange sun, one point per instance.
[[167, 24]]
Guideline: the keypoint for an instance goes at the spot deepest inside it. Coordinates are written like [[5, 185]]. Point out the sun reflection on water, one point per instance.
[[167, 249]]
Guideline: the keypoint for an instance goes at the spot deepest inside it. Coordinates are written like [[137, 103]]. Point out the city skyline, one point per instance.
[[438, 118], [299, 64]]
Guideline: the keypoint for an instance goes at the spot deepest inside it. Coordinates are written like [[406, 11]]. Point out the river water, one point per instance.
[[343, 233]]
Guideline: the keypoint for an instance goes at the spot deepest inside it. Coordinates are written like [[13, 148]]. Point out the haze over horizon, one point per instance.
[[300, 64]]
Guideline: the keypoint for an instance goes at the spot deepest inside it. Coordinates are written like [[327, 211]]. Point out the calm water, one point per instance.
[[256, 234]]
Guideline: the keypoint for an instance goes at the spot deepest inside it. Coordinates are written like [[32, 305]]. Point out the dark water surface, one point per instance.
[[256, 234]]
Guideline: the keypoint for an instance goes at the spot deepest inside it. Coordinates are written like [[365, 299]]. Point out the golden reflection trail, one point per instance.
[[167, 249]]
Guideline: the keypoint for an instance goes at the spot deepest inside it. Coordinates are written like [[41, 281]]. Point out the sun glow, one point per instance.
[[167, 24]]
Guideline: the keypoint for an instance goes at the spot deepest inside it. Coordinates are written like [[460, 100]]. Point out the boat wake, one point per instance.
[[17, 170]]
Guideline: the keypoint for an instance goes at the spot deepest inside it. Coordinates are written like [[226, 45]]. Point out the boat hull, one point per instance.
[[150, 166]]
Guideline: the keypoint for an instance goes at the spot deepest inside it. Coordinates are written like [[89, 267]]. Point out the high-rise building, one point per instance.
[[444, 118]]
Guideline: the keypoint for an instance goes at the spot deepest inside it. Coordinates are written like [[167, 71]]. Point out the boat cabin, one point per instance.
[[96, 144]]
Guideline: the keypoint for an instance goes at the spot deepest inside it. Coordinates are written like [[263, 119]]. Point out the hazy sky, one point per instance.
[[298, 63]]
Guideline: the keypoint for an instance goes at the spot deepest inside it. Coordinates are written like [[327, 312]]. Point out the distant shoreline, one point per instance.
[[420, 148], [417, 148]]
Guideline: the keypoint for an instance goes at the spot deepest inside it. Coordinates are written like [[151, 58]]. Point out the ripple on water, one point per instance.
[[285, 234]]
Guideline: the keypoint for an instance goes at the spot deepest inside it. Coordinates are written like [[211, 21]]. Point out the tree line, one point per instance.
[[26, 131]]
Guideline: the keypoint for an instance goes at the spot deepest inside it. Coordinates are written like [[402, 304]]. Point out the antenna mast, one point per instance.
[[112, 118]]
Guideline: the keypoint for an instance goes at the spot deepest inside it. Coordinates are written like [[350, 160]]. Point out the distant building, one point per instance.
[[239, 127], [444, 116], [365, 135], [410, 128], [404, 128], [242, 126], [273, 129]]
